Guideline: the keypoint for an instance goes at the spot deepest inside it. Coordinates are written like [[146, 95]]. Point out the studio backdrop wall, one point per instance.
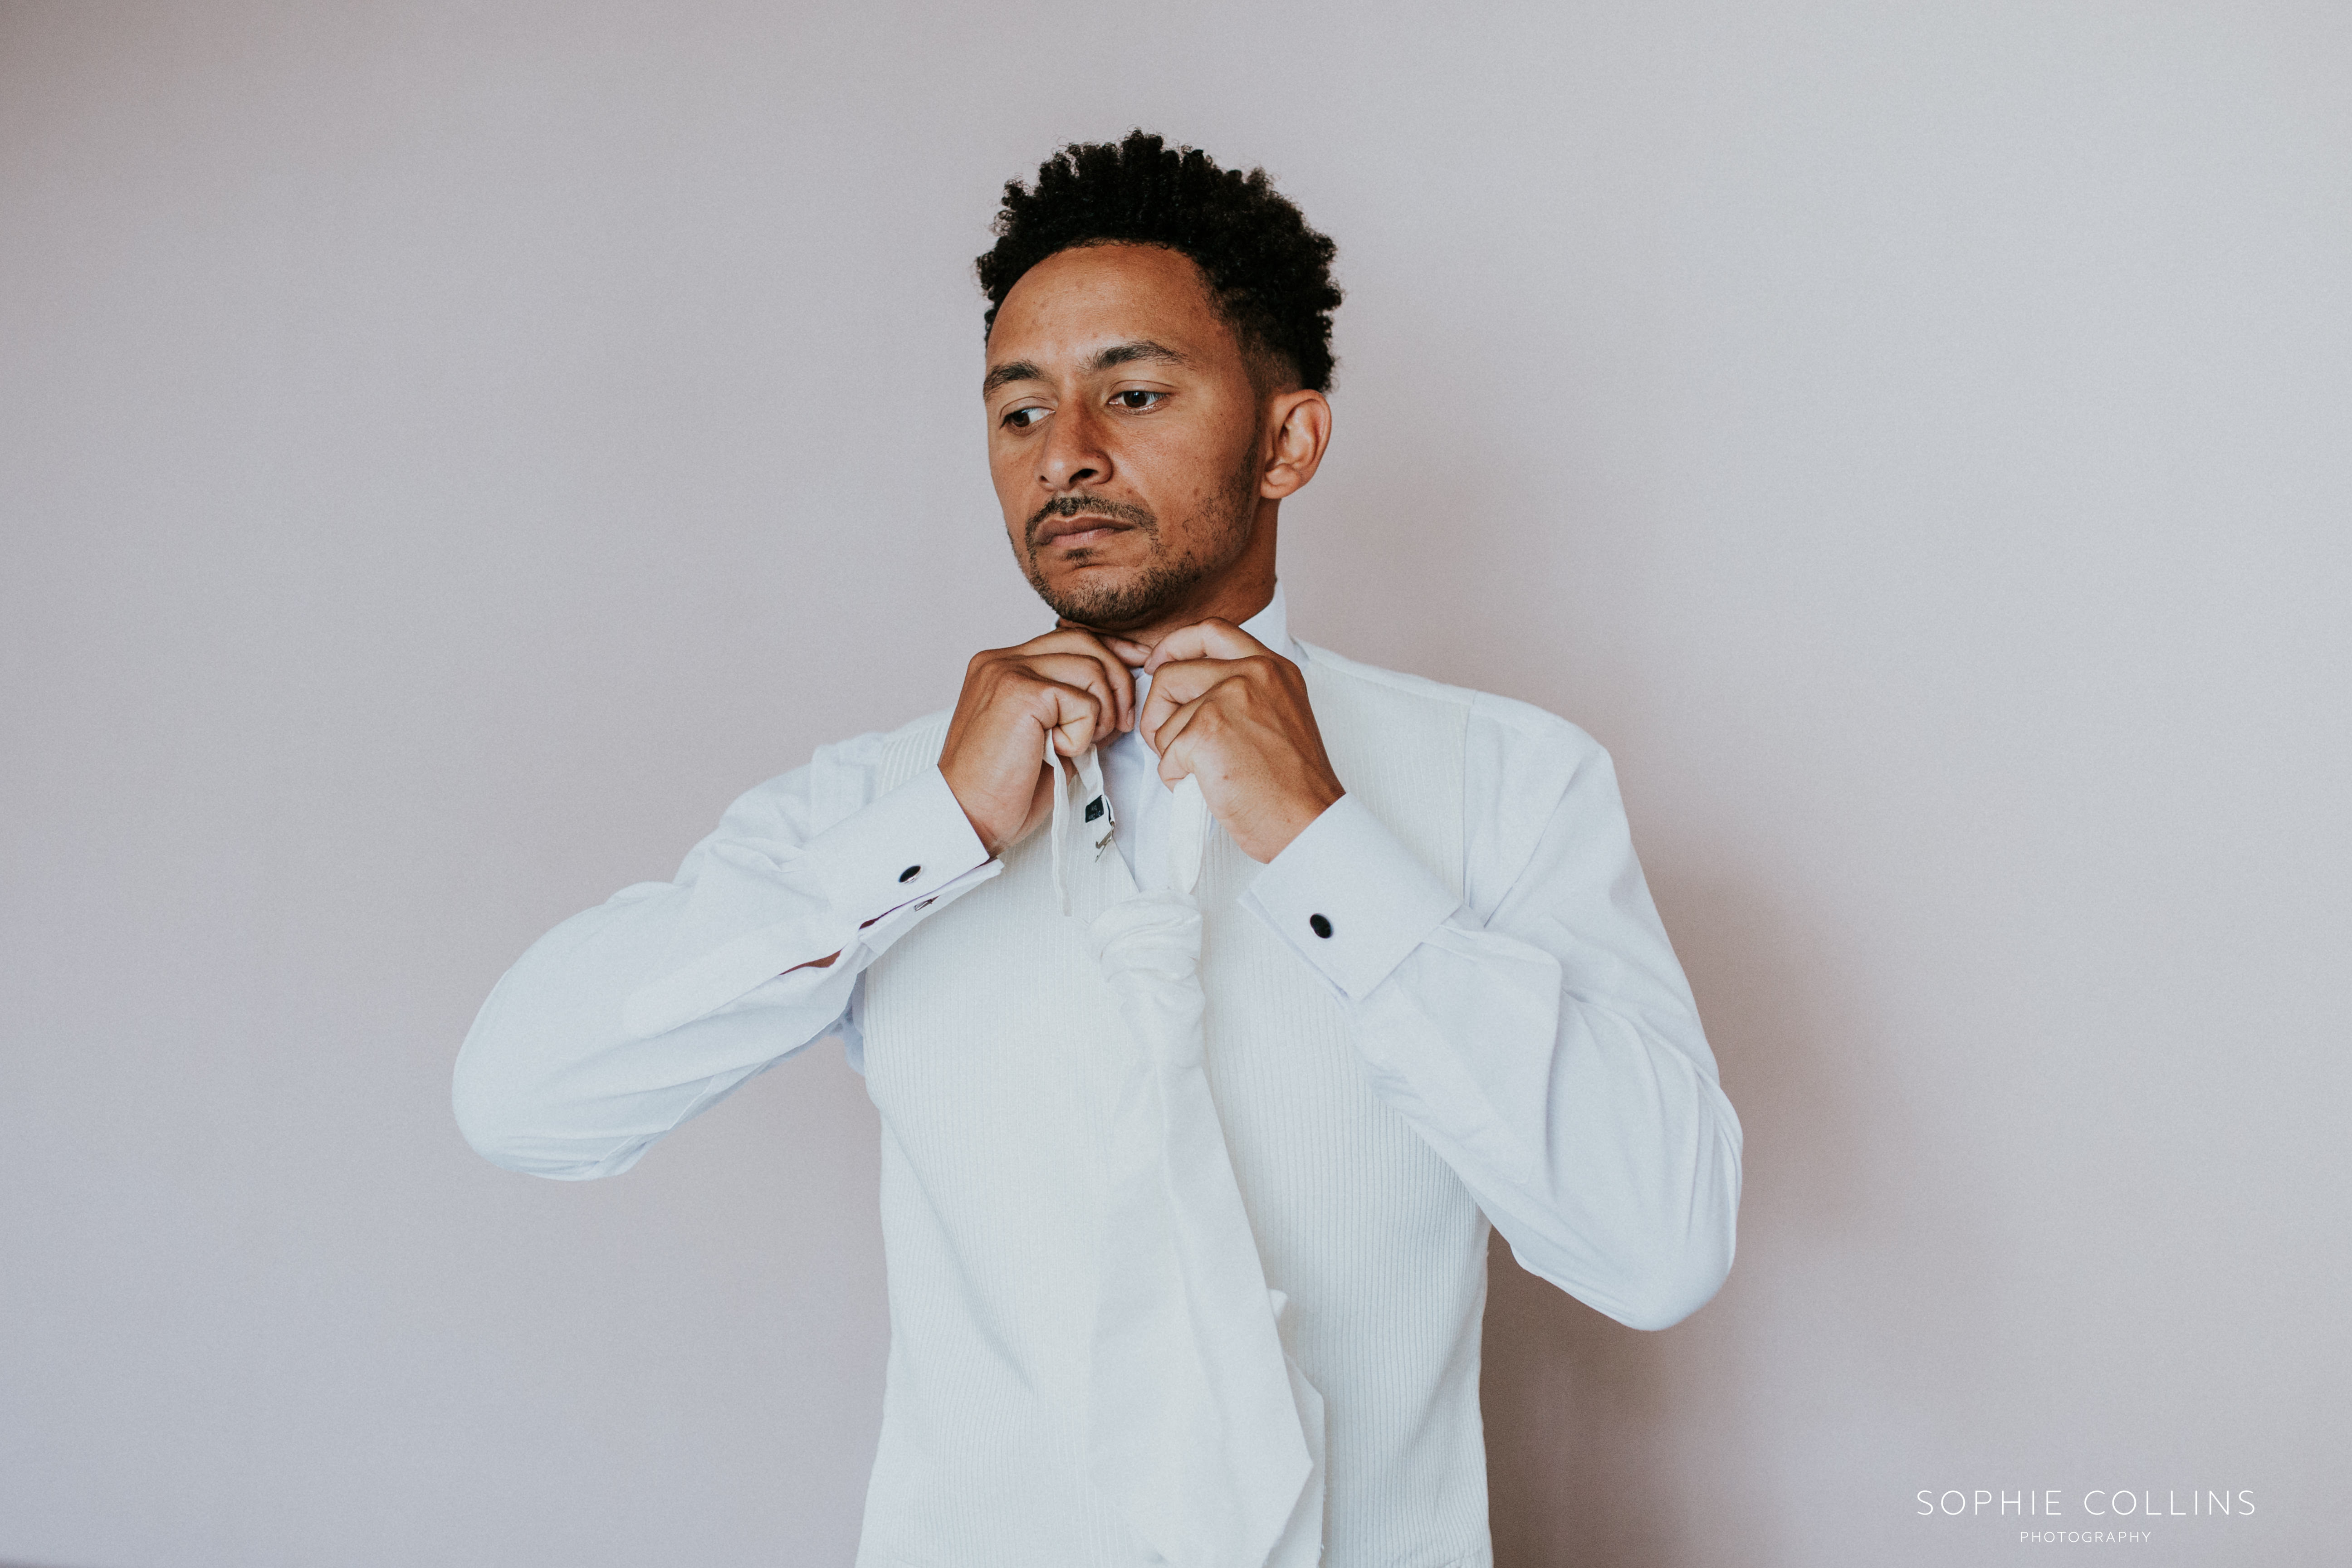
[[448, 452]]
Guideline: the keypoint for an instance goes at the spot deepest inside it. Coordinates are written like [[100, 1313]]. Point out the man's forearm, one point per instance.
[[555, 1081], [630, 1018], [1609, 1158], [1550, 1055]]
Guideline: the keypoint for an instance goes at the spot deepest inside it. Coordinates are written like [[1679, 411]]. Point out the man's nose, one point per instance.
[[1074, 454]]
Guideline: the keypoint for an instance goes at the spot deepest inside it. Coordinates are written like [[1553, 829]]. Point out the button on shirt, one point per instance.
[[1536, 1032]]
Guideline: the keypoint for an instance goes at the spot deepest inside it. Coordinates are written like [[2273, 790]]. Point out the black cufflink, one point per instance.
[[1319, 925], [910, 873]]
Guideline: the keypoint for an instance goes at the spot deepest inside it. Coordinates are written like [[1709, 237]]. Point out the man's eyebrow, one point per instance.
[[1015, 369], [1136, 351]]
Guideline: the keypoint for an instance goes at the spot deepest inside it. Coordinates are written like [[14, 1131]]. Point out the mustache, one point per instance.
[[1071, 506]]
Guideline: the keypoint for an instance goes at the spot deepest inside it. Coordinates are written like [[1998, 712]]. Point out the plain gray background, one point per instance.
[[448, 452]]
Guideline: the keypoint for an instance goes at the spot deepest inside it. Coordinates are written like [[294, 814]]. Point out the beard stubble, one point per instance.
[[1162, 582]]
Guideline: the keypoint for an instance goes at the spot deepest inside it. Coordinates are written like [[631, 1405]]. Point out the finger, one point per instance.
[[1112, 640], [1088, 673], [1175, 757], [1072, 715], [1075, 642], [1133, 654], [1211, 638], [1069, 640], [1174, 686]]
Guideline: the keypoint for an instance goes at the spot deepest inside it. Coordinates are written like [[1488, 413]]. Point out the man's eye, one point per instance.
[[1136, 397], [1021, 419]]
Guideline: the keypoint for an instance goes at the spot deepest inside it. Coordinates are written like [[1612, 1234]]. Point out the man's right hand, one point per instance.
[[1065, 683]]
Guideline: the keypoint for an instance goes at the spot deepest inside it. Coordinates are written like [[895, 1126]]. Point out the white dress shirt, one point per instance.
[[1537, 1033]]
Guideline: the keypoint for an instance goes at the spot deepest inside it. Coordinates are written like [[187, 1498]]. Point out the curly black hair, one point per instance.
[[1268, 272]]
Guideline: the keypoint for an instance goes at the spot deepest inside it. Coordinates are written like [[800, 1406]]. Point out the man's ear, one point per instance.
[[1298, 428]]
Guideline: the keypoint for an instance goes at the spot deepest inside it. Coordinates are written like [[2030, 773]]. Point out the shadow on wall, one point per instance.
[[1583, 1414]]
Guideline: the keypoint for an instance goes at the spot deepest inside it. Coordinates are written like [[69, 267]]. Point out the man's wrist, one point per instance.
[[903, 846], [1350, 898], [1294, 818], [859, 885]]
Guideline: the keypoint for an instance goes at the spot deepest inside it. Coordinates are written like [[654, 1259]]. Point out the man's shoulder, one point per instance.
[[1514, 722], [839, 778], [872, 748]]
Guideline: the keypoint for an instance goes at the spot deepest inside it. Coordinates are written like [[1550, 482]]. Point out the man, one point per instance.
[[1215, 991]]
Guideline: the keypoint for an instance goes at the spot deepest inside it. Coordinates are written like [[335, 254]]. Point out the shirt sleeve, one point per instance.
[[632, 1018], [1538, 1033]]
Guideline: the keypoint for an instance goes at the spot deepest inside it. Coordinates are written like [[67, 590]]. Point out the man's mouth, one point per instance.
[[1081, 521], [1077, 532]]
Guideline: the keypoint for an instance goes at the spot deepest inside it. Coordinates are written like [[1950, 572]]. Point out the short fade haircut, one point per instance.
[[1269, 274]]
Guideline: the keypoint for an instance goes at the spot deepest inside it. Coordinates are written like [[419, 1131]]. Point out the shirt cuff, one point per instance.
[[875, 872], [905, 847], [1350, 898]]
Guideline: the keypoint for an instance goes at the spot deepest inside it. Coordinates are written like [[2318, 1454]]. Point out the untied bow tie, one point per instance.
[[1199, 1427]]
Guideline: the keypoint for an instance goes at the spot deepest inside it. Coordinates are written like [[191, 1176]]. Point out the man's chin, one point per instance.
[[1111, 600]]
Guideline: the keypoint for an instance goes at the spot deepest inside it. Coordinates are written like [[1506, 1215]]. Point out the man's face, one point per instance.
[[1123, 434]]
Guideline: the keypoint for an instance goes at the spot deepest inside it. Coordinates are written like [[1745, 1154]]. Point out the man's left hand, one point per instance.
[[1234, 713]]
